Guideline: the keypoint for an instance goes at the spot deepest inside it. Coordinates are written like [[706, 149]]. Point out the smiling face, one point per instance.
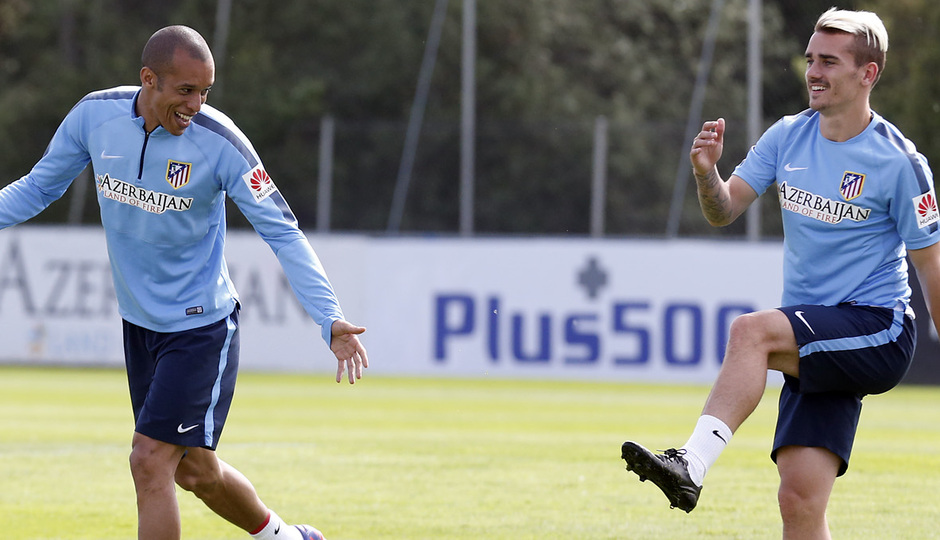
[[171, 98], [834, 81]]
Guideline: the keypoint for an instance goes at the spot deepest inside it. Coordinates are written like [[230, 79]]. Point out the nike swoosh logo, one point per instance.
[[790, 168], [715, 432], [277, 530], [109, 156], [799, 315], [181, 429]]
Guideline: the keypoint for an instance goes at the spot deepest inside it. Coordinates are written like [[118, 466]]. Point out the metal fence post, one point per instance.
[[468, 116], [325, 174], [599, 177]]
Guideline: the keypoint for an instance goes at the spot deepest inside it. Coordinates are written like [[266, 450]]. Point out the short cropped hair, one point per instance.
[[871, 37], [160, 48]]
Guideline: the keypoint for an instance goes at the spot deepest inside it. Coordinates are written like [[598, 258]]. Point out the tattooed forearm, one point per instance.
[[713, 197]]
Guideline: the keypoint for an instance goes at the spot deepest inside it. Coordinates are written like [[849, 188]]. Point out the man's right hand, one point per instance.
[[707, 147]]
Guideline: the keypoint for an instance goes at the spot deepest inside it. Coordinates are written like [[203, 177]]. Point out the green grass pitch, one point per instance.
[[409, 458]]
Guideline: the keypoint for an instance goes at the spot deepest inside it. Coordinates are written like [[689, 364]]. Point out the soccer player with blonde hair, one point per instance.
[[856, 200]]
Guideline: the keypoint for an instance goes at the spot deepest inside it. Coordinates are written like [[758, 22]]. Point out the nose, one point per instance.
[[195, 102], [812, 72]]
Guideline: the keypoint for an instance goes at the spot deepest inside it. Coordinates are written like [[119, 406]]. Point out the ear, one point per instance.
[[148, 79], [870, 75]]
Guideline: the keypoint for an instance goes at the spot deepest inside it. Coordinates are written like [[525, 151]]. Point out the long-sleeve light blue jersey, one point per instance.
[[850, 209], [162, 200]]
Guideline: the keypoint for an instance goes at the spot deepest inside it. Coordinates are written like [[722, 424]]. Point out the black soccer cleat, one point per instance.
[[309, 532], [669, 471]]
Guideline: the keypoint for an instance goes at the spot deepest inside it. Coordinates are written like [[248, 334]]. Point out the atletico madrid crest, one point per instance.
[[177, 173], [851, 186]]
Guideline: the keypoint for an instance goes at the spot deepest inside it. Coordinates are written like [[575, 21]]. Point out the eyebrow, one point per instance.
[[193, 86], [822, 56]]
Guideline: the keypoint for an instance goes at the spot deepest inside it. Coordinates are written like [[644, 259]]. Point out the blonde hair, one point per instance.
[[871, 37]]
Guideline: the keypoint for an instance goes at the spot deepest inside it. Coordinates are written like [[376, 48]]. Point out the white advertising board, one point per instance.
[[503, 307]]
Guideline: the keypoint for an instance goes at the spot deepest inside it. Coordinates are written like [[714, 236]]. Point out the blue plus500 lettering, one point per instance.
[[528, 337]]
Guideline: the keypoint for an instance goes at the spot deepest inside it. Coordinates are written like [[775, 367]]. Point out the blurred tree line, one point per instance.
[[545, 70]]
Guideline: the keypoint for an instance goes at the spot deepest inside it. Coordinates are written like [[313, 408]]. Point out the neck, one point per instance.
[[140, 108], [840, 127]]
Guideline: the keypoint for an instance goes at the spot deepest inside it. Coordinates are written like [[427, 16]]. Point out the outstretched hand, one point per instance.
[[707, 146], [350, 353]]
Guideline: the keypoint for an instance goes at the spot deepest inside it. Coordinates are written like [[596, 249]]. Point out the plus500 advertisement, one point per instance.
[[612, 309]]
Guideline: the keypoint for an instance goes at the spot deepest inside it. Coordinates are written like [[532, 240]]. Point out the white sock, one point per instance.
[[276, 529], [709, 438]]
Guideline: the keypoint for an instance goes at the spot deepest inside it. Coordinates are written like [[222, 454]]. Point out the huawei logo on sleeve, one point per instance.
[[259, 183], [925, 208]]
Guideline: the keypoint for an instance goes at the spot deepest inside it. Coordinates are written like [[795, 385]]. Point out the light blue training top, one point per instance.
[[849, 209], [162, 201]]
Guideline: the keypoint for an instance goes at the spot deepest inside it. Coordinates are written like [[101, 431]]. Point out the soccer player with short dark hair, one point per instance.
[[164, 162]]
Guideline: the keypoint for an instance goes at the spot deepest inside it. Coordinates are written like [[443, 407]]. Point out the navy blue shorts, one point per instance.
[[182, 383], [846, 352]]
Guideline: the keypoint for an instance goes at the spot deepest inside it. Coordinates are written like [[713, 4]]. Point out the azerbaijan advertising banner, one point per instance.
[[610, 309]]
